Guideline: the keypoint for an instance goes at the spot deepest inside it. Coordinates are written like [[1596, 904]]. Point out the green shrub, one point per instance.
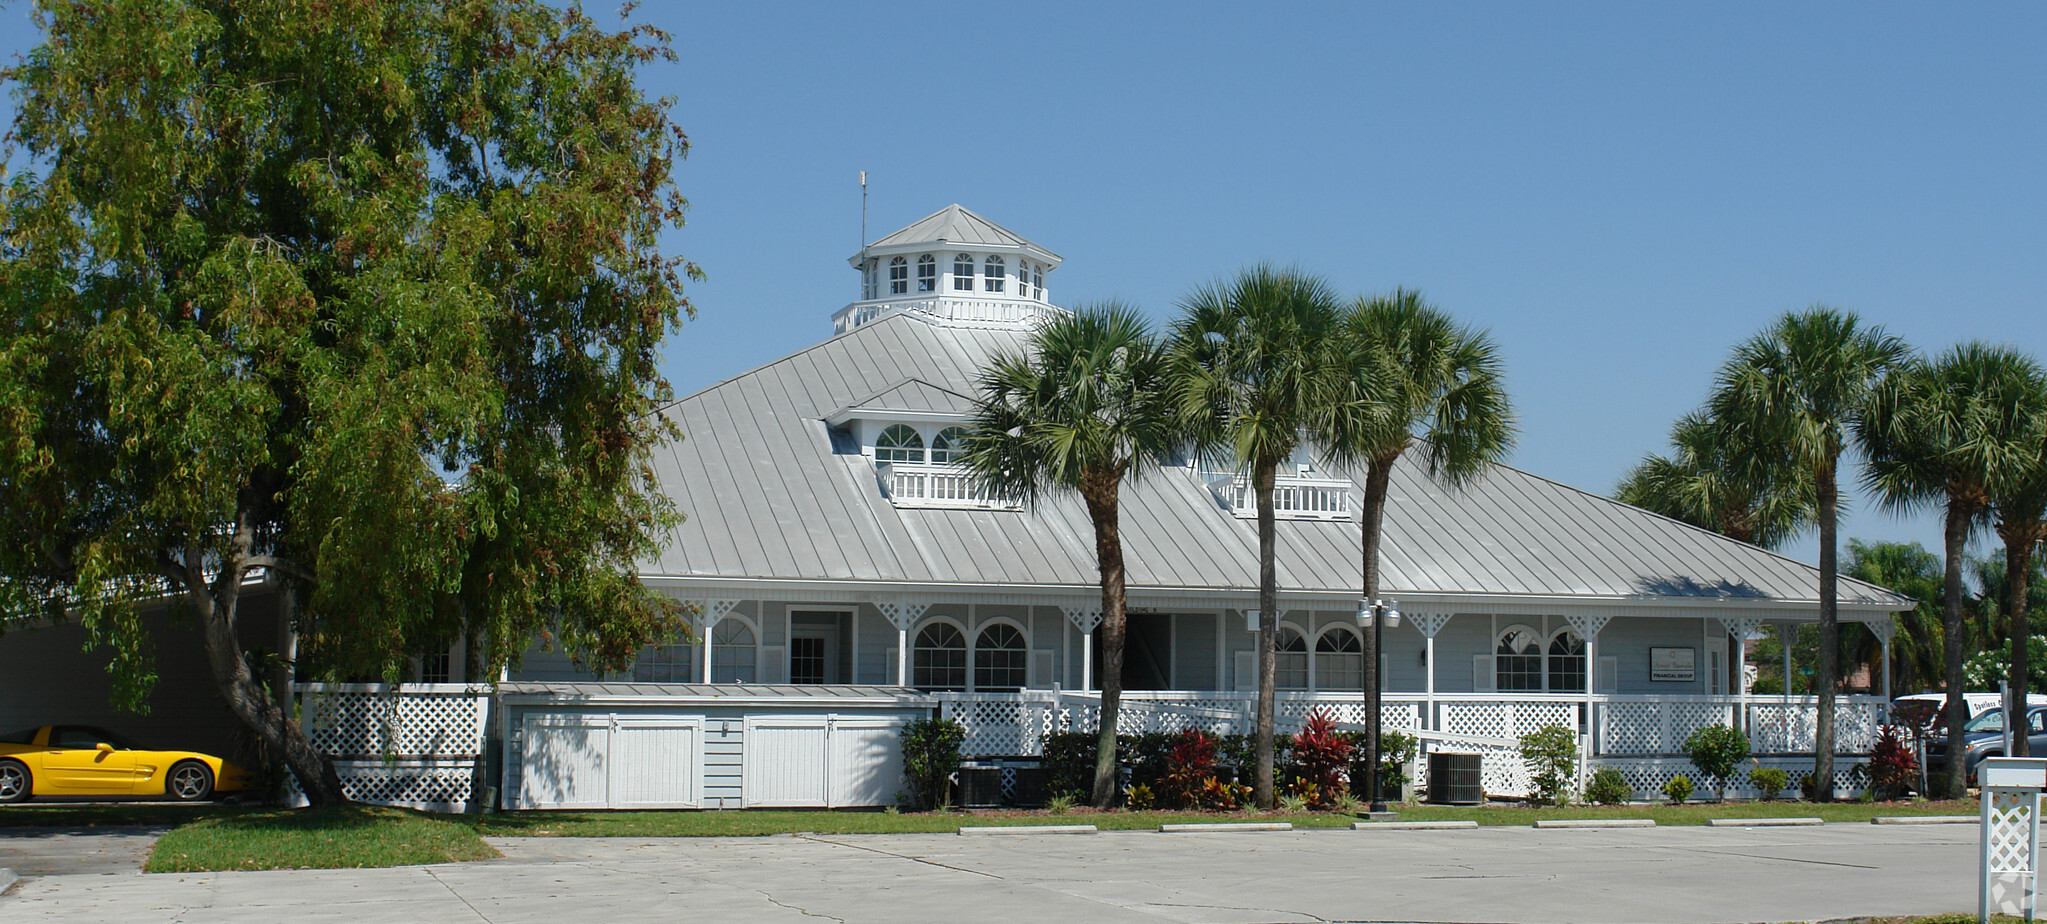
[[1770, 780], [1551, 755], [931, 755], [1608, 787], [1678, 789], [1716, 750]]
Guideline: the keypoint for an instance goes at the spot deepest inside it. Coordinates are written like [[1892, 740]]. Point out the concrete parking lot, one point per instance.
[[1485, 875]]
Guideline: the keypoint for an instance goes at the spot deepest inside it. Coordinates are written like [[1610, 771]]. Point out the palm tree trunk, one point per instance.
[[1378, 474], [1830, 640], [1268, 630], [1955, 537], [1101, 506], [2018, 560]]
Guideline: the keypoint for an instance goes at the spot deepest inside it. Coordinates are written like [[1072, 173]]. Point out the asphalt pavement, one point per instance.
[[1689, 875]]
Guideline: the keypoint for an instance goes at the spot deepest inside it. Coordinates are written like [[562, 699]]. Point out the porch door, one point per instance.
[[1716, 666], [814, 651], [1147, 652]]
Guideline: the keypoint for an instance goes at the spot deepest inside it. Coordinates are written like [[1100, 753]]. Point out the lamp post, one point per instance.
[[1375, 616]]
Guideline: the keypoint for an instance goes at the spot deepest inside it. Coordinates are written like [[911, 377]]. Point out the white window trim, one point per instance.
[[967, 640], [759, 643], [974, 648]]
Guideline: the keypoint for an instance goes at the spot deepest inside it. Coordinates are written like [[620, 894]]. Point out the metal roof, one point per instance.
[[771, 494], [956, 225], [908, 397]]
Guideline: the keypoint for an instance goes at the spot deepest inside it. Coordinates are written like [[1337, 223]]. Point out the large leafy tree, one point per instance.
[[1713, 483], [1950, 431], [1252, 366], [364, 294], [1084, 410], [1406, 373], [1791, 395]]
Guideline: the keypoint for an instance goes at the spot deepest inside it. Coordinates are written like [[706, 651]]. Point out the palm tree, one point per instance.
[[1250, 366], [1791, 394], [1916, 645], [1084, 410], [2021, 504], [1407, 372], [1945, 432], [1709, 482]]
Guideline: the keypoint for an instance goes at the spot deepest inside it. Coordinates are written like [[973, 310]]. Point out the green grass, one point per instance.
[[756, 822], [356, 836]]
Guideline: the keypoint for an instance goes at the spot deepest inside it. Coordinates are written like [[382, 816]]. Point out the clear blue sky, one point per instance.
[[1619, 192]]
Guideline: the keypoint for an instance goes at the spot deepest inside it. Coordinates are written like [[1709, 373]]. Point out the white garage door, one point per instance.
[[656, 764], [785, 762], [598, 761], [564, 761], [866, 762]]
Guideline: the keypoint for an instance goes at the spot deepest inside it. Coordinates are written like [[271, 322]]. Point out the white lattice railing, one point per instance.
[[416, 745], [912, 484], [1646, 775], [1012, 724], [956, 312], [1294, 498]]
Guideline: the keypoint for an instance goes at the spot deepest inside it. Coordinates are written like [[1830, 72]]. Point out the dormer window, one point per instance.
[[868, 287], [991, 278], [963, 273], [898, 276], [1038, 281], [950, 445], [899, 443], [927, 273]]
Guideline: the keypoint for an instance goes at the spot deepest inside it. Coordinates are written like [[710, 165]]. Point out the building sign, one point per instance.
[[1672, 665]]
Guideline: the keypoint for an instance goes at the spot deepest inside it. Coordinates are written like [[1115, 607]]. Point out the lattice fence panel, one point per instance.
[[1646, 776], [1630, 728], [1484, 720], [1684, 718], [999, 727], [416, 784], [441, 721]]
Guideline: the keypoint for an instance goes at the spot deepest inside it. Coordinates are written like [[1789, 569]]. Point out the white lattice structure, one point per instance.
[[2009, 877], [1646, 775], [417, 745]]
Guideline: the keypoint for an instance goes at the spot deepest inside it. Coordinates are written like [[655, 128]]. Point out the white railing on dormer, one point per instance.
[[947, 310], [1294, 497], [940, 485]]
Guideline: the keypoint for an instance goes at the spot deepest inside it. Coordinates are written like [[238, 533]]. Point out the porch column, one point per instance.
[[1885, 628], [1429, 624], [902, 612], [1588, 628], [707, 613], [1741, 627], [1788, 634], [1085, 618]]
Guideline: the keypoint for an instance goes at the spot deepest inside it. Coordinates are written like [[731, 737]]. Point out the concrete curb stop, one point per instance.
[[1924, 820], [7, 879], [1412, 825], [1596, 823], [1762, 822], [1228, 828], [1026, 829]]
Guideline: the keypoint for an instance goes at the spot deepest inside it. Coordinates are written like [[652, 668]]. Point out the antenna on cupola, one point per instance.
[[863, 221]]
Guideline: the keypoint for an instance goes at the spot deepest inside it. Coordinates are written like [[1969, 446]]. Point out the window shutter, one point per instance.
[[1040, 671], [1247, 670], [1609, 674], [1483, 680], [777, 663]]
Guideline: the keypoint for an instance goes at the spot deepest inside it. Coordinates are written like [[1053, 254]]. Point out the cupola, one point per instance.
[[952, 267]]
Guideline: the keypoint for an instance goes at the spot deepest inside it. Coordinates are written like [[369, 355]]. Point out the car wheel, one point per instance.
[[190, 781], [15, 783]]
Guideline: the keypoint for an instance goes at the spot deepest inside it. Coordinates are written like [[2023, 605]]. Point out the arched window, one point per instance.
[[1339, 660], [1290, 659], [732, 652], [991, 275], [949, 445], [1567, 663], [963, 273], [1038, 281], [898, 276], [999, 659], [927, 273], [899, 443], [1517, 661], [939, 661]]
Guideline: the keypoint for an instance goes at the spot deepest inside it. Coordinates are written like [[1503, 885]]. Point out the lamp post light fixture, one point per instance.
[[1375, 615]]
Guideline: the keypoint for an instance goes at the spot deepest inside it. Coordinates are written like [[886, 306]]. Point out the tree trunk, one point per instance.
[[245, 695], [1262, 791], [1830, 641], [1955, 538], [2018, 560], [1101, 506], [1377, 475]]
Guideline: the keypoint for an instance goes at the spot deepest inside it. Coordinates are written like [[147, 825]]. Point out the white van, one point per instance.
[[1976, 703]]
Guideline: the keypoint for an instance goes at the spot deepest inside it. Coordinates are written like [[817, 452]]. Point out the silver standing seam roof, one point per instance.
[[771, 492]]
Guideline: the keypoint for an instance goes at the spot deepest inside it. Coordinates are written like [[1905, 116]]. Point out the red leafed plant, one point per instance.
[[1190, 767], [1323, 754], [1892, 768]]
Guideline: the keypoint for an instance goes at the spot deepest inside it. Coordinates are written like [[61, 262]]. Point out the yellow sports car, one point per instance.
[[78, 760]]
